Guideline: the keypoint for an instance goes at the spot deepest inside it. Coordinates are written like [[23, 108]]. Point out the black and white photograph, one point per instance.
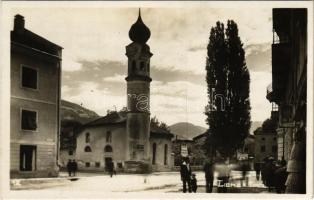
[[117, 99]]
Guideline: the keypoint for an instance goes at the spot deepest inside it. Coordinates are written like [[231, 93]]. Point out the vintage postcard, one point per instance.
[[156, 99]]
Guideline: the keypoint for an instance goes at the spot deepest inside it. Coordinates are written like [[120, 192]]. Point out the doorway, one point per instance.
[[108, 160], [27, 158]]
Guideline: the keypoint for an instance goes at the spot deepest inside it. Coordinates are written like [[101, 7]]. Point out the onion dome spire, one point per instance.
[[139, 32]]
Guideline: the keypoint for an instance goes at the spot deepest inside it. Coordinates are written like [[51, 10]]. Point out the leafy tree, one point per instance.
[[228, 112], [155, 123]]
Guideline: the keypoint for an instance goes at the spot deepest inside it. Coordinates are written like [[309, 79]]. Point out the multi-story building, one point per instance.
[[265, 144], [289, 75], [35, 103]]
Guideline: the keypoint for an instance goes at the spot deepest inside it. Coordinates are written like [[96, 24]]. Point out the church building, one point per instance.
[[126, 137]]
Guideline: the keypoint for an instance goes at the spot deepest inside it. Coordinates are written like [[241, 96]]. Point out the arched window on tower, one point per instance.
[[166, 155], [87, 138], [142, 66], [108, 149], [154, 153], [88, 149], [133, 65]]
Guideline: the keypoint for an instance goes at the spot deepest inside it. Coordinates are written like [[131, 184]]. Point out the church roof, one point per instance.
[[120, 118], [111, 118]]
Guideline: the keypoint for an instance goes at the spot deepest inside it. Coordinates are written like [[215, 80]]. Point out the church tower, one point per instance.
[[138, 93]]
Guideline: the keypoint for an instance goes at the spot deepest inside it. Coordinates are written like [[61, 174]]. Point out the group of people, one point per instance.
[[274, 175], [187, 177], [72, 167]]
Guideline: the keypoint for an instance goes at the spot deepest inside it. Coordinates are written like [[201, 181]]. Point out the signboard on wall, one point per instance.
[[184, 150], [242, 156]]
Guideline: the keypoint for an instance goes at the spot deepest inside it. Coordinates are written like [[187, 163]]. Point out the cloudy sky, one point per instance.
[[95, 65]]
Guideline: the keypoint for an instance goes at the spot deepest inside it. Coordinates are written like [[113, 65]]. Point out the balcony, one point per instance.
[[280, 69], [269, 93]]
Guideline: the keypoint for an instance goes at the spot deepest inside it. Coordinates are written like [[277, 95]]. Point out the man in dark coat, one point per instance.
[[186, 173], [281, 177], [74, 167], [209, 175], [69, 167], [110, 168], [257, 168], [268, 173]]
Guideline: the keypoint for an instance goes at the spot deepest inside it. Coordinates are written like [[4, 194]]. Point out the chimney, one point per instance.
[[19, 22]]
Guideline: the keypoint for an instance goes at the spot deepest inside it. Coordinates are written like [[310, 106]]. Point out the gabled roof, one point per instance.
[[159, 132], [120, 118], [22, 36], [181, 138], [109, 119], [200, 136]]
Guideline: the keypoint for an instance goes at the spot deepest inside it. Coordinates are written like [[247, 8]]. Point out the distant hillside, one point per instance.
[[72, 117], [74, 112], [186, 130], [254, 126]]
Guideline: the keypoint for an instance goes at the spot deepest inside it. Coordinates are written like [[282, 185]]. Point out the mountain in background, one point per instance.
[[74, 112], [186, 130], [72, 117]]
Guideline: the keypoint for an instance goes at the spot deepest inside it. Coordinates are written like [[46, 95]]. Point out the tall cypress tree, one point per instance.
[[228, 112]]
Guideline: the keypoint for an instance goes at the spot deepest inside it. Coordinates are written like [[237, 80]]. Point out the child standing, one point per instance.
[[193, 183]]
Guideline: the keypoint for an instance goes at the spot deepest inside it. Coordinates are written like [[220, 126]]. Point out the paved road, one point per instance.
[[156, 182]]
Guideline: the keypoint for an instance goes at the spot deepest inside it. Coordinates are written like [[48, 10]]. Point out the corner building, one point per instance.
[[35, 103]]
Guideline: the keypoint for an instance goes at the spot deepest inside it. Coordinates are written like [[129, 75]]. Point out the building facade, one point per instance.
[[265, 144], [104, 140], [35, 103], [289, 75]]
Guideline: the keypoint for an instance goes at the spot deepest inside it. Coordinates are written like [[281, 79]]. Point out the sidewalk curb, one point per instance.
[[37, 183]]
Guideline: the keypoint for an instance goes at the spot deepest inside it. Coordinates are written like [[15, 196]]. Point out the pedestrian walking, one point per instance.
[[281, 177], [69, 167], [193, 183], [185, 171], [257, 168], [244, 169], [223, 176], [111, 168], [209, 175], [74, 167], [268, 172]]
